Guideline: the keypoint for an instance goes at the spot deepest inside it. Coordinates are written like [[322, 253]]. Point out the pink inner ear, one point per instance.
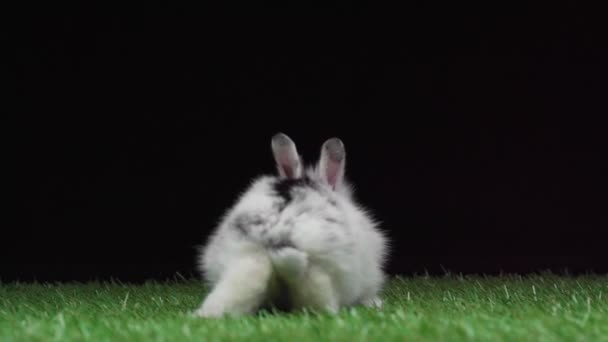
[[288, 170], [332, 172], [287, 164]]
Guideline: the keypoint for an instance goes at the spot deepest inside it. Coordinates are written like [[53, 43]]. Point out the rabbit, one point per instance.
[[296, 239]]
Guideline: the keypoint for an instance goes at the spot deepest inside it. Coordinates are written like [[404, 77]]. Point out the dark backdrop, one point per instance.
[[468, 133]]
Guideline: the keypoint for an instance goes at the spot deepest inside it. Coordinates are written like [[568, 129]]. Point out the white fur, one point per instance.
[[333, 257]]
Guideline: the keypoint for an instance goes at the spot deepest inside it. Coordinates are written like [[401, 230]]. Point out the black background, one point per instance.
[[472, 134]]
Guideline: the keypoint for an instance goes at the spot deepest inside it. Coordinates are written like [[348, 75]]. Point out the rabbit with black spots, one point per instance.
[[297, 239]]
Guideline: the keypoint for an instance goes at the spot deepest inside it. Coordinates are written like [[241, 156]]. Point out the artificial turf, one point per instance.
[[542, 307]]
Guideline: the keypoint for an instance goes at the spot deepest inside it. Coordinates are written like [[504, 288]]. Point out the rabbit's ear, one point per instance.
[[288, 162], [332, 162]]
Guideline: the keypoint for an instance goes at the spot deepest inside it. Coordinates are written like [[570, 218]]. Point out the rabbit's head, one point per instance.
[[299, 206]]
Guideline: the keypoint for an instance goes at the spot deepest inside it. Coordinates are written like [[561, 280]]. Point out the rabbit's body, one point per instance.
[[297, 240]]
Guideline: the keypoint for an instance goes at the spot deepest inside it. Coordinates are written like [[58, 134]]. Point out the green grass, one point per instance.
[[537, 308]]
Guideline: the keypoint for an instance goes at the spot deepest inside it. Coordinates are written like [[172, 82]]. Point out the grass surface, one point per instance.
[[535, 308]]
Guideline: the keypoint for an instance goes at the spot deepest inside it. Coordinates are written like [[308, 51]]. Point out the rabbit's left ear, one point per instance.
[[289, 164], [332, 162]]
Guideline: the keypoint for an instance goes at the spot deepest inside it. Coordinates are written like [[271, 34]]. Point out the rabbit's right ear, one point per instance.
[[332, 162], [286, 156]]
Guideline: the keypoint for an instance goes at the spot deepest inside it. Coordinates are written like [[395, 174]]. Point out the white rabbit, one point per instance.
[[295, 240]]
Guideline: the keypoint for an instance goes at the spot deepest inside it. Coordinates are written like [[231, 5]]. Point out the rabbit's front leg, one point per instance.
[[241, 290], [373, 302], [316, 291]]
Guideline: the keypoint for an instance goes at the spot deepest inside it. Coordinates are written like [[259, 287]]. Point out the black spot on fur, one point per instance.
[[241, 225], [332, 220], [280, 244], [279, 206], [284, 187], [243, 222]]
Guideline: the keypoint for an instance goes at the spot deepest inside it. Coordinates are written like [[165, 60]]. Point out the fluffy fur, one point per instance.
[[295, 240]]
